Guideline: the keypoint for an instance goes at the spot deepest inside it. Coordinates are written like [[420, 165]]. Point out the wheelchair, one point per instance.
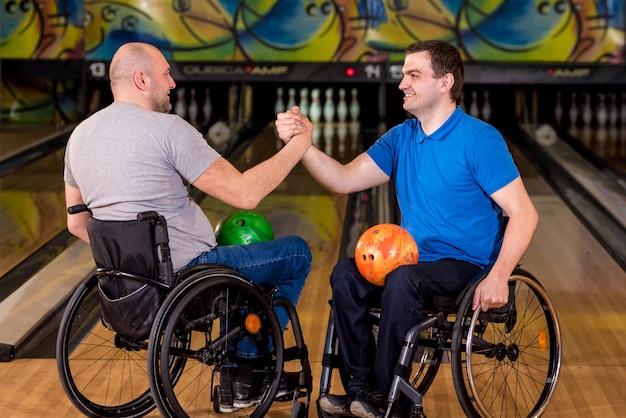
[[504, 362], [171, 357]]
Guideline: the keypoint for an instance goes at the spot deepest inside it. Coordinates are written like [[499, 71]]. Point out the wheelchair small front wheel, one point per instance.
[[506, 361]]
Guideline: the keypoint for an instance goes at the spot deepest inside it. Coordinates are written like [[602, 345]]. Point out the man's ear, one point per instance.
[[139, 79], [447, 82]]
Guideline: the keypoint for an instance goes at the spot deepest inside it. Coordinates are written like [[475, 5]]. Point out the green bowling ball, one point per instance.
[[243, 227]]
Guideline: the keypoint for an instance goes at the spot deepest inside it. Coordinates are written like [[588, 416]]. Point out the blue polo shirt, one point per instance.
[[443, 184]]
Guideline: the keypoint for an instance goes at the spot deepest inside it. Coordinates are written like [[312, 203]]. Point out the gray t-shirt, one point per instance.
[[125, 159]]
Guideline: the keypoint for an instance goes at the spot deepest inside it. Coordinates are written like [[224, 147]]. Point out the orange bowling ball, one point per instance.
[[383, 248]]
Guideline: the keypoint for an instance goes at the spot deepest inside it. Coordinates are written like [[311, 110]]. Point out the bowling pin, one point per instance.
[[315, 110], [355, 107], [315, 136], [558, 109], [329, 105], [602, 114], [601, 139], [474, 110], [573, 111], [613, 113], [342, 134], [328, 138], [181, 107], [486, 107], [279, 106], [462, 102], [193, 108], [586, 110], [354, 135], [207, 108], [342, 106], [304, 101], [291, 101]]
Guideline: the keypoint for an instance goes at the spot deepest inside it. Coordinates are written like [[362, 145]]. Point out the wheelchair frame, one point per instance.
[[504, 362], [178, 368]]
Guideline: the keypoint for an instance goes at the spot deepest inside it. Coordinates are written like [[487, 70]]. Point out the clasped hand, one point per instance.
[[292, 123]]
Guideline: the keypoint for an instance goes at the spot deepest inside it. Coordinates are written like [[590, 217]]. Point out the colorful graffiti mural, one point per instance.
[[587, 31], [319, 31]]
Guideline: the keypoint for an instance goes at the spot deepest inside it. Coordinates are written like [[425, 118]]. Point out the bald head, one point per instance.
[[129, 59], [139, 73]]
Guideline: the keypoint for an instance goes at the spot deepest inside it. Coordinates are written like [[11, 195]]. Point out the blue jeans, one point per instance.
[[401, 301], [284, 263]]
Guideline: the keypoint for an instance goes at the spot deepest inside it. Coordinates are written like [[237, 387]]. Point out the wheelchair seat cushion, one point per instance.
[[128, 306]]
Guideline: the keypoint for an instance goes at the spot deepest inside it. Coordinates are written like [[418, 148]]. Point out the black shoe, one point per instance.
[[250, 384], [289, 382], [340, 404], [227, 375], [246, 395], [372, 406], [243, 386]]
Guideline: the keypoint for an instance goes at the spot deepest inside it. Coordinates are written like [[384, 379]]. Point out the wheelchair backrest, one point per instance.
[[134, 271]]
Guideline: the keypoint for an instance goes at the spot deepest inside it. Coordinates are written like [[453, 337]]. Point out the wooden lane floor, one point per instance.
[[606, 145], [32, 208], [586, 286], [15, 138]]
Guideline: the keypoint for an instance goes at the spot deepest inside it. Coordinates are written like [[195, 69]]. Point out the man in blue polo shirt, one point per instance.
[[454, 178]]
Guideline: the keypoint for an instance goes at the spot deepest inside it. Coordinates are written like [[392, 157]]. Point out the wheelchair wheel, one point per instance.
[[102, 373], [506, 361], [210, 311]]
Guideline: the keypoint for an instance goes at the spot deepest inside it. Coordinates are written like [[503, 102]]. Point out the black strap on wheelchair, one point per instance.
[[296, 353], [402, 371], [331, 360]]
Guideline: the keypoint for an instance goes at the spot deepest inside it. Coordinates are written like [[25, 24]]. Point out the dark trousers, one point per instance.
[[401, 301]]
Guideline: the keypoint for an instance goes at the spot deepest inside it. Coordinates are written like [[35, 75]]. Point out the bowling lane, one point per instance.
[[32, 209], [584, 282], [16, 138], [593, 120]]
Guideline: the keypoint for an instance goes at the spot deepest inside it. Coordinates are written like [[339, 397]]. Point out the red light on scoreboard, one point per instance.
[[351, 71]]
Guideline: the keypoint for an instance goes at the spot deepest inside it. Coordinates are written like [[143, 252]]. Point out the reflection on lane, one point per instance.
[[32, 209]]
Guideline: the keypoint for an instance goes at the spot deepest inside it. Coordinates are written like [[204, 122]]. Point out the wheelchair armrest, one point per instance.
[[73, 210], [144, 216]]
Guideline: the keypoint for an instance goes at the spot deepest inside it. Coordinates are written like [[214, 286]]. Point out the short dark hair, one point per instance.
[[445, 58]]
